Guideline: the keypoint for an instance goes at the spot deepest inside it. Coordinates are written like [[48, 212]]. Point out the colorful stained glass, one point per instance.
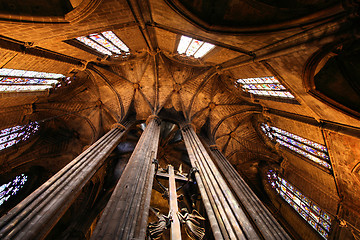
[[11, 80], [308, 210], [265, 86], [11, 188], [13, 135], [116, 41], [106, 43], [94, 45], [14, 80], [204, 49], [309, 149], [28, 74], [193, 47], [303, 146], [300, 139], [22, 88]]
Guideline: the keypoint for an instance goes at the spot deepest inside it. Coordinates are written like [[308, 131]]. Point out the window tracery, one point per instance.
[[264, 86], [306, 208], [309, 149], [11, 188], [193, 47], [13, 135], [15, 80], [106, 43]]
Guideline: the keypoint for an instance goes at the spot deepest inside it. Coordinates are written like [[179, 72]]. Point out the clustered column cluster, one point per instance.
[[126, 214]]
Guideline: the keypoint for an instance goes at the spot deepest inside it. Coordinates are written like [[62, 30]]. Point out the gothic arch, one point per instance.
[[318, 62]]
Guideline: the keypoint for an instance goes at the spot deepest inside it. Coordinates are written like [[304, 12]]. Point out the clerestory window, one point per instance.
[[106, 43], [264, 86], [309, 149], [13, 135], [15, 80], [194, 48], [12, 188], [307, 209]]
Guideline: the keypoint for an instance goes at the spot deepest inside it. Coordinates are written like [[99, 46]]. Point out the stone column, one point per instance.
[[126, 214], [37, 214], [227, 219], [259, 214]]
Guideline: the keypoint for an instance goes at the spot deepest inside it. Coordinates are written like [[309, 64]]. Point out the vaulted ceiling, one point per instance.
[[252, 38]]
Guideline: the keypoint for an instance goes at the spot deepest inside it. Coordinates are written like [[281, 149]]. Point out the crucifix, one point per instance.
[[175, 217]]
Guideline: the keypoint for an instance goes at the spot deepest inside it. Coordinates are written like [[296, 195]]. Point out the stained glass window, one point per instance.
[[309, 149], [11, 188], [312, 213], [264, 86], [14, 80], [106, 43], [13, 135], [193, 47]]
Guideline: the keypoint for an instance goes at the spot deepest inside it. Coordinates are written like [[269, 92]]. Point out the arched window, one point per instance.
[[106, 43], [13, 135], [14, 80], [307, 209], [309, 149], [11, 188], [193, 47], [264, 86]]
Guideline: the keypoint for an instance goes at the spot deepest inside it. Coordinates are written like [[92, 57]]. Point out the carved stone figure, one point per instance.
[[156, 229], [192, 223]]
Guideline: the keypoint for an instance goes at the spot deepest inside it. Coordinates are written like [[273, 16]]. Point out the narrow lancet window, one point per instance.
[[306, 208], [11, 188], [14, 80], [13, 135], [264, 86], [193, 47], [106, 43], [309, 149]]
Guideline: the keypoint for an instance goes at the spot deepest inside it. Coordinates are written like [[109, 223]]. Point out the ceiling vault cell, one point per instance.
[[146, 94]]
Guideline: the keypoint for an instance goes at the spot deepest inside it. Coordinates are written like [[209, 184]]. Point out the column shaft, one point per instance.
[[260, 215], [37, 214], [227, 219], [126, 214]]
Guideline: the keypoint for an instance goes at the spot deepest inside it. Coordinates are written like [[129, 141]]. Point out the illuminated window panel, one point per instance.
[[106, 43], [94, 45], [309, 149], [10, 80], [13, 135], [193, 47], [115, 40], [307, 209], [264, 86], [12, 188], [15, 80], [28, 74]]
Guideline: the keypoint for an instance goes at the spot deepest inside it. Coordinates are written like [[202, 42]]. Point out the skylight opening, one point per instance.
[[265, 86], [15, 80], [193, 47], [106, 43]]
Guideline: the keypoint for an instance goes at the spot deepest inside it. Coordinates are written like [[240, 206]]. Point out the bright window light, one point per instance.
[[15, 80], [264, 86], [193, 47], [106, 43]]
